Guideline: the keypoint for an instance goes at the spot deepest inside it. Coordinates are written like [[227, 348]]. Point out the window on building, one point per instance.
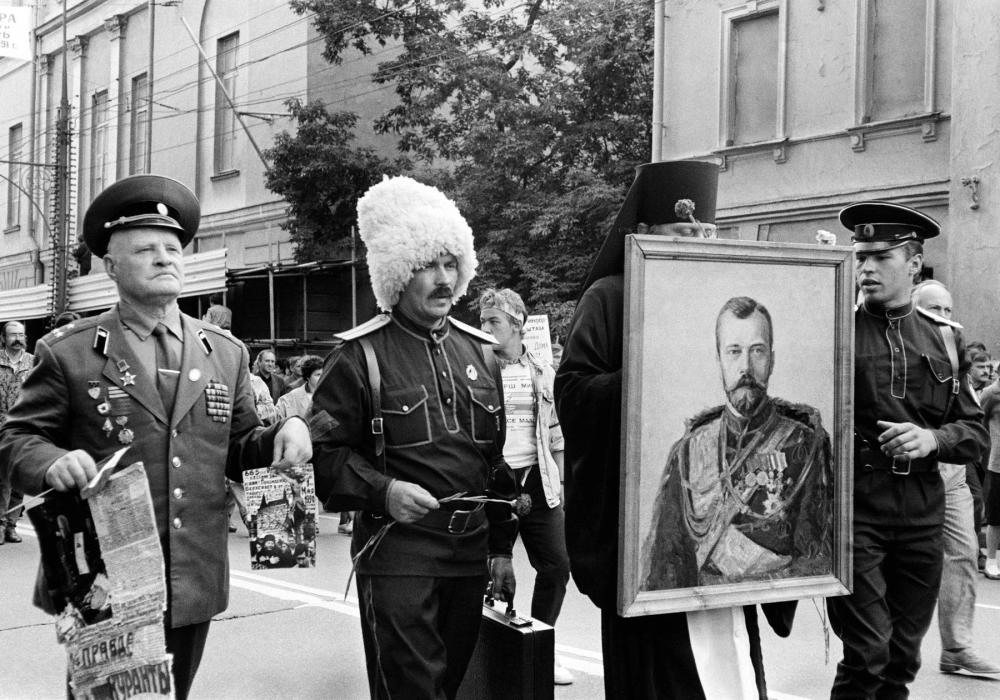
[[139, 107], [225, 116], [100, 122], [753, 90], [896, 62], [15, 149]]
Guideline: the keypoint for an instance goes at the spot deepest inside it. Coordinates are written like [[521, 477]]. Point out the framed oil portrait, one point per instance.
[[737, 424]]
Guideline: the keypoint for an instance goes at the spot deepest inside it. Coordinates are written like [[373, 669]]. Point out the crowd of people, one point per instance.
[[448, 442]]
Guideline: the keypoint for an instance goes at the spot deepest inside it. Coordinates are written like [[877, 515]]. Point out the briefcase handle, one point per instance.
[[511, 614]]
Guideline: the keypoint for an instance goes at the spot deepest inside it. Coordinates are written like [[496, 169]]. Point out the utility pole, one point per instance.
[[61, 199], [148, 160]]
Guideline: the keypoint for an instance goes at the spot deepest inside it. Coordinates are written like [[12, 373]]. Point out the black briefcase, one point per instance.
[[513, 659]]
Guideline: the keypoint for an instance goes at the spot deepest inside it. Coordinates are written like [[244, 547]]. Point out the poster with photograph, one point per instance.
[[281, 507], [737, 424]]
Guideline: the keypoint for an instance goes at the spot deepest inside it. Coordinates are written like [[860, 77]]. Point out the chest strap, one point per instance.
[[375, 388]]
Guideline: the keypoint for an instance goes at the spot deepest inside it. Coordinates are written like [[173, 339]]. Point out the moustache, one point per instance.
[[442, 293], [747, 381]]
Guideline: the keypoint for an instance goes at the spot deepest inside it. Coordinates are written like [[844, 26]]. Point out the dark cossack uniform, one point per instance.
[[443, 422], [902, 373], [908, 368], [90, 392]]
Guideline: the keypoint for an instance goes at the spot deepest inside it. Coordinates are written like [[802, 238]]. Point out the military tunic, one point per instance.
[[91, 392], [902, 373]]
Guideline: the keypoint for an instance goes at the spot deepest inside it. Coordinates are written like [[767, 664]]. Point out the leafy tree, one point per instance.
[[321, 176], [535, 114]]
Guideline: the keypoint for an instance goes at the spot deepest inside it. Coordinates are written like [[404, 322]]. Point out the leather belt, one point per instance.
[[454, 522], [869, 460]]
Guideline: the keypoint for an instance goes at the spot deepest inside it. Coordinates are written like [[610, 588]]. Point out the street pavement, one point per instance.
[[292, 634]]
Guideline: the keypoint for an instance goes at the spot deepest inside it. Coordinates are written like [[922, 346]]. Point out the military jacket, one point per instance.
[[744, 499], [89, 392], [443, 422], [902, 373]]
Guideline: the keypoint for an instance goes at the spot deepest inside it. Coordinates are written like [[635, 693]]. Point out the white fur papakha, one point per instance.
[[405, 225]]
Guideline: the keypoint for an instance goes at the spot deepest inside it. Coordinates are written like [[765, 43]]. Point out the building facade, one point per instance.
[[809, 105], [192, 90]]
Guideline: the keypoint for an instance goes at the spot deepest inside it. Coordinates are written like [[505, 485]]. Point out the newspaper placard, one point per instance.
[[282, 511], [104, 571], [537, 338]]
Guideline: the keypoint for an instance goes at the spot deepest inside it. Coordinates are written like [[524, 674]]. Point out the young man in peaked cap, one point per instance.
[[910, 412], [173, 389], [653, 656], [409, 415]]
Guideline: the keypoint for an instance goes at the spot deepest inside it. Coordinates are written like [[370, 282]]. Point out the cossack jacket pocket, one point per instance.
[[407, 423], [939, 385], [485, 414]]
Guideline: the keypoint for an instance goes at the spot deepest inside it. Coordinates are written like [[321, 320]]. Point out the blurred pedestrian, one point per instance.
[[15, 362]]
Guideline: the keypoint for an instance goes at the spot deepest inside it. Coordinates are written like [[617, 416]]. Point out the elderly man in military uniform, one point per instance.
[[747, 491], [171, 388], [910, 413], [409, 428]]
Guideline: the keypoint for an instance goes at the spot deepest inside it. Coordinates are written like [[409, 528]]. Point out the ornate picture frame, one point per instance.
[[735, 492]]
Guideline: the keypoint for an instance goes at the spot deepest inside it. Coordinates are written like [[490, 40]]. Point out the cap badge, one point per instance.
[[161, 209], [868, 232]]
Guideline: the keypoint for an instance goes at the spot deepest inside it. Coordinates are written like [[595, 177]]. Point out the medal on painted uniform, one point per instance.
[[471, 373]]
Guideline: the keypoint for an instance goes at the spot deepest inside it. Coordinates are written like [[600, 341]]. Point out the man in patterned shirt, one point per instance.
[[15, 361]]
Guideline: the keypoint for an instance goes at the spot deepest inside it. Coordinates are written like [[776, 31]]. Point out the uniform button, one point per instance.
[[177, 523], [444, 374], [895, 349], [176, 461], [173, 433], [490, 407], [178, 493], [405, 407], [447, 402]]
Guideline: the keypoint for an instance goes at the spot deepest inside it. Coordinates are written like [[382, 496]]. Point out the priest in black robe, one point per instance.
[[648, 656]]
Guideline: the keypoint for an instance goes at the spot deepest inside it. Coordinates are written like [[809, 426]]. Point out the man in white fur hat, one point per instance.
[[409, 419]]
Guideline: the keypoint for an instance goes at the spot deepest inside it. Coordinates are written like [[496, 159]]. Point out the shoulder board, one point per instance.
[[940, 320], [473, 331], [704, 417], [72, 328], [365, 328], [800, 412]]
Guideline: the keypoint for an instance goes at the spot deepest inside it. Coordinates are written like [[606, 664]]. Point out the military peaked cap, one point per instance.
[[878, 226], [141, 201]]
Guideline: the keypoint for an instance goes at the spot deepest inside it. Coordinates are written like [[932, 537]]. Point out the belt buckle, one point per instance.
[[459, 516], [901, 472]]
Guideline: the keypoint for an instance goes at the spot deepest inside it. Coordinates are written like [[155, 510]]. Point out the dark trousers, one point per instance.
[[419, 633], [187, 645], [543, 532], [897, 573], [9, 500], [648, 658]]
